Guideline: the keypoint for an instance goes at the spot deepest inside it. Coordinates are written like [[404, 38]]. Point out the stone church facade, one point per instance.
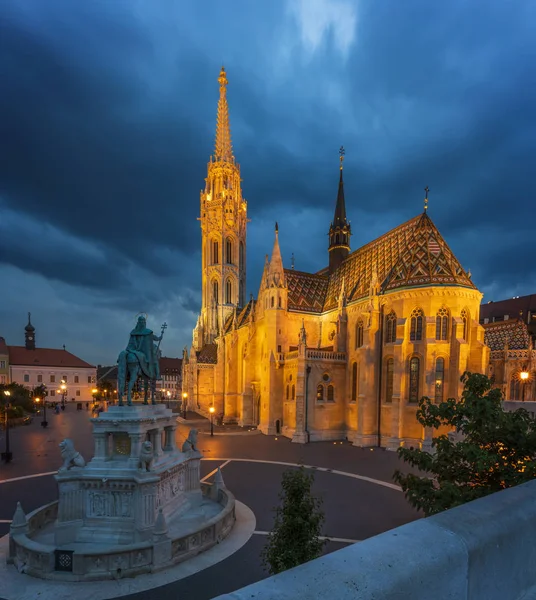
[[346, 352]]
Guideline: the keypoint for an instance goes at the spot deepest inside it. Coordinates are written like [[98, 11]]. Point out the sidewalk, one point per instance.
[[202, 424]]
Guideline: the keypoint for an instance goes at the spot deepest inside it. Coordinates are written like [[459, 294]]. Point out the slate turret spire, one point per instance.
[[224, 149], [339, 231]]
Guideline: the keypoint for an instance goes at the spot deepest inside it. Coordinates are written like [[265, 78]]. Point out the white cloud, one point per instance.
[[316, 19]]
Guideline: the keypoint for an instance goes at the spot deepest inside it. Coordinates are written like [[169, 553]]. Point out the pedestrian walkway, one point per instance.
[[202, 424]]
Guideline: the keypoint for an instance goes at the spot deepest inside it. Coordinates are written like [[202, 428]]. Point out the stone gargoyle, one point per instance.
[[71, 458]]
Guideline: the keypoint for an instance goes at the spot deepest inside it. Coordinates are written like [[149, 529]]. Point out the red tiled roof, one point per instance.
[[170, 365], [45, 357], [306, 291], [208, 354]]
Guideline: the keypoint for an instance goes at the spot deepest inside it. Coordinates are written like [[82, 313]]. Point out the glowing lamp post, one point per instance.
[[7, 455], [63, 392], [524, 376], [211, 411], [184, 403], [168, 394]]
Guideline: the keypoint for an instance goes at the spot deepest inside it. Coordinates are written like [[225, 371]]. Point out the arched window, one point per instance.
[[439, 379], [228, 292], [359, 334], [287, 391], [229, 251], [215, 253], [331, 393], [354, 382], [272, 302], [241, 255], [293, 391], [389, 379], [515, 387], [416, 323], [414, 373], [320, 393], [390, 328], [215, 291], [442, 324], [465, 321], [337, 238]]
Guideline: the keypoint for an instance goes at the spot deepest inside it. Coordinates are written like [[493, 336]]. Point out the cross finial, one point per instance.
[[342, 152], [426, 190]]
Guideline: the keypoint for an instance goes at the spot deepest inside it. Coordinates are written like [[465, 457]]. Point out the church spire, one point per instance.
[[29, 334], [223, 149], [339, 231], [276, 274]]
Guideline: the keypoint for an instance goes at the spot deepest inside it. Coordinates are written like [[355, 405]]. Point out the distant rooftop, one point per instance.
[[45, 357]]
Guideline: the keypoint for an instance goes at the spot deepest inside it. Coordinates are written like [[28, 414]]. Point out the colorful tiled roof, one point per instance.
[[208, 354], [413, 254], [306, 291], [512, 332], [241, 317], [45, 357]]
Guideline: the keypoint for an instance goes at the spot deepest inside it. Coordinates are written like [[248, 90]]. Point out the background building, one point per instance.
[[4, 362], [32, 366]]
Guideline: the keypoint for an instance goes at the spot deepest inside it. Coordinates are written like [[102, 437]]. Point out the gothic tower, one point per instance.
[[29, 334], [223, 219], [339, 231]]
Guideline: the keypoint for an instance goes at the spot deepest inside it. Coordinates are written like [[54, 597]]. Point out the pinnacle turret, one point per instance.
[[223, 149], [339, 231]]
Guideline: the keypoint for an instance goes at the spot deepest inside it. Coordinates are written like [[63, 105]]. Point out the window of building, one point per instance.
[[515, 387], [228, 292], [78, 392], [272, 302], [215, 291], [326, 377], [293, 391], [89, 379], [414, 368], [26, 378], [390, 328], [2, 364], [53, 379], [354, 382], [389, 379], [442, 324], [279, 302], [215, 253], [359, 334], [52, 392], [331, 393], [320, 393], [229, 251], [439, 379], [3, 379], [39, 379], [465, 321], [76, 378], [416, 323], [288, 388]]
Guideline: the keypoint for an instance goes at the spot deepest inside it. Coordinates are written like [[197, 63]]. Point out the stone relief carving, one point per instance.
[[110, 504], [71, 458], [146, 456]]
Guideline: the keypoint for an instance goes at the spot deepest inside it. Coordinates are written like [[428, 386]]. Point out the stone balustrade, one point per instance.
[[483, 550], [527, 354], [326, 355]]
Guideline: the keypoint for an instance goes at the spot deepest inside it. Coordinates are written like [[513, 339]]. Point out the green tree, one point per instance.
[[295, 538], [19, 396], [494, 449]]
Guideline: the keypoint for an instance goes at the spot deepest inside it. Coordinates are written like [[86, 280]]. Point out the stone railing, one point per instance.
[[483, 550], [326, 355], [498, 354], [291, 355]]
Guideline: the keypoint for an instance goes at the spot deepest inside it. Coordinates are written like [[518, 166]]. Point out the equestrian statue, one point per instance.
[[140, 359]]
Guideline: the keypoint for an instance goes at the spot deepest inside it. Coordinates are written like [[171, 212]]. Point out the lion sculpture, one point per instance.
[[71, 458], [146, 456], [190, 443]]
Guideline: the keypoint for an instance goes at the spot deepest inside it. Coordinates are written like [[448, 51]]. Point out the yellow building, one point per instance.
[[343, 353]]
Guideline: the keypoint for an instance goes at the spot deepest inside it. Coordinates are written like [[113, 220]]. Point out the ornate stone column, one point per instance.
[[170, 445], [136, 440], [101, 445]]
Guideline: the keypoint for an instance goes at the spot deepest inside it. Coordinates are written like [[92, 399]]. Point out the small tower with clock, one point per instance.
[[29, 334]]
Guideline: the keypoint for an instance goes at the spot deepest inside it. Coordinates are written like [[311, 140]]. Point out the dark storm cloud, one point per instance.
[[108, 113]]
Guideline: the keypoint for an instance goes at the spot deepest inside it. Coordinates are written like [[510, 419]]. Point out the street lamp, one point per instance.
[[63, 388], [168, 394], [7, 455], [184, 403], [211, 411], [524, 376]]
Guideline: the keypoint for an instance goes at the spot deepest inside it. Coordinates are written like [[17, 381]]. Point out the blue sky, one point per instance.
[[108, 114]]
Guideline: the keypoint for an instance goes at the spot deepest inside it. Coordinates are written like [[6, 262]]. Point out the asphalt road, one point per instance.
[[354, 508]]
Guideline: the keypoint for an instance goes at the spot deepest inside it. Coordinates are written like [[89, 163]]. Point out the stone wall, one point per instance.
[[483, 550]]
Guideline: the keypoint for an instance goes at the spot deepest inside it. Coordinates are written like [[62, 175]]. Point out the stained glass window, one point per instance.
[[293, 391], [331, 393], [414, 368], [439, 379], [442, 324], [390, 372], [465, 321], [229, 251], [320, 393], [359, 334], [229, 291], [390, 328], [416, 323]]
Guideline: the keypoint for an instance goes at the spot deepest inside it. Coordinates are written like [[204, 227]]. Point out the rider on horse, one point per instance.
[[142, 347]]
